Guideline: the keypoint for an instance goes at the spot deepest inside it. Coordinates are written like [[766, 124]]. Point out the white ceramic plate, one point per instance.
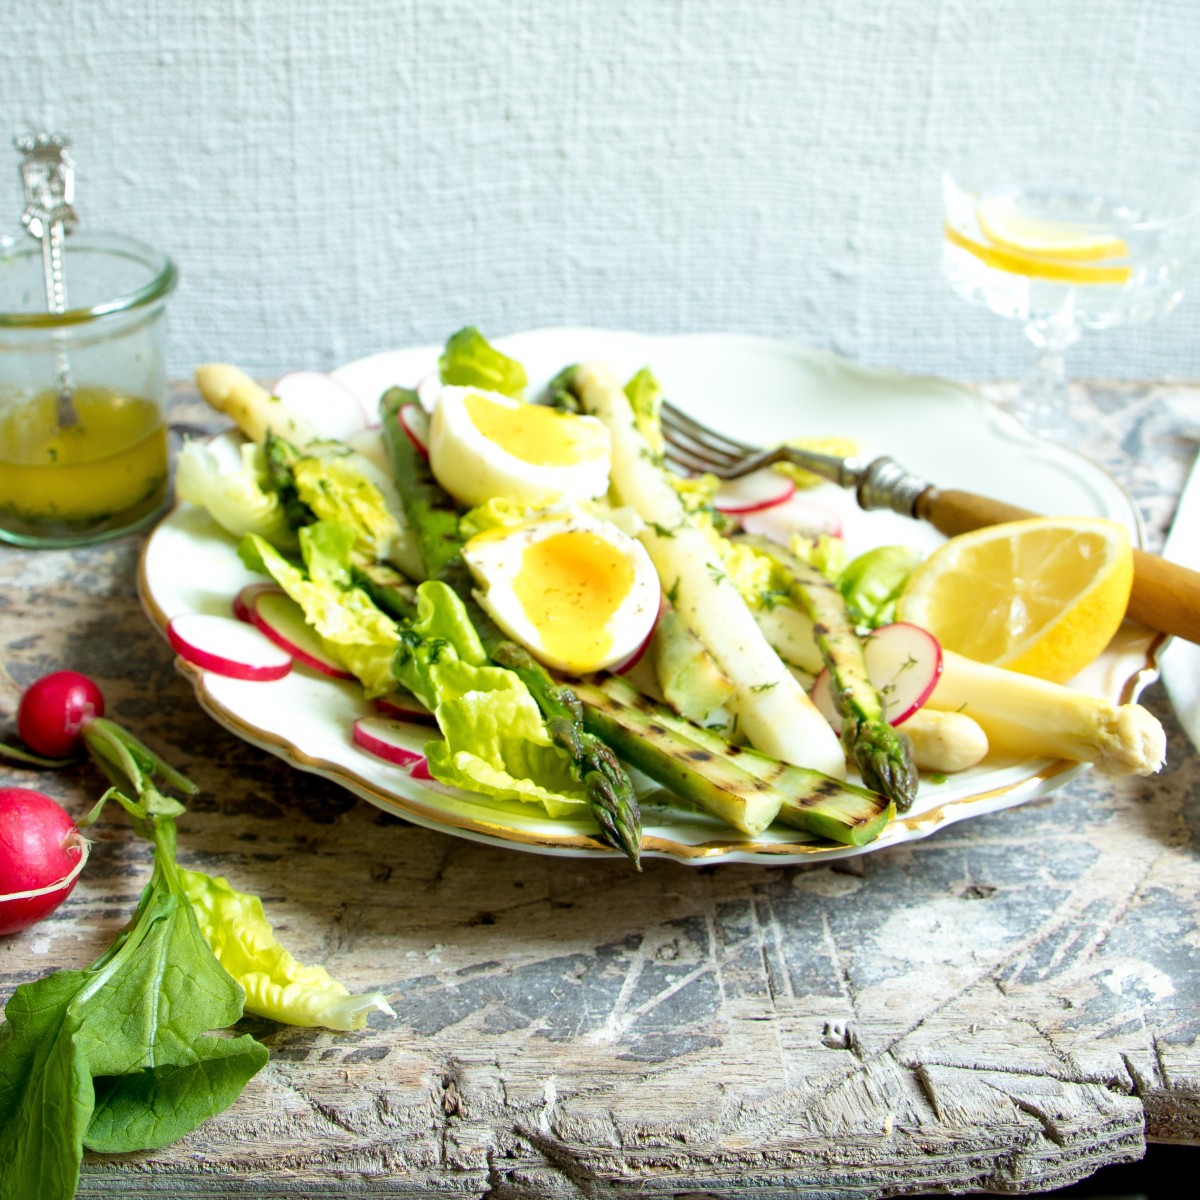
[[754, 388]]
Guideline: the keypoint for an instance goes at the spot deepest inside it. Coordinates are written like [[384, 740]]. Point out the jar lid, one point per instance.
[[108, 273]]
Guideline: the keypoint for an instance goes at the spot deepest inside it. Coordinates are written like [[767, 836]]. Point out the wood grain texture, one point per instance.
[[1006, 1006]]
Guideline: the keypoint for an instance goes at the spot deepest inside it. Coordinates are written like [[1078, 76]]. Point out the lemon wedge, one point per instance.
[[1042, 596]]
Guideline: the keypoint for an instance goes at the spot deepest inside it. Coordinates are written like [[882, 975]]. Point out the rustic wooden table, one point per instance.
[[1006, 1006]]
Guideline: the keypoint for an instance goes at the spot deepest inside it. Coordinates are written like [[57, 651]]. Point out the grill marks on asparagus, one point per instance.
[[743, 787]]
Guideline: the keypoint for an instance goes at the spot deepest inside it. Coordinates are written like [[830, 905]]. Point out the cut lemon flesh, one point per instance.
[[1036, 267], [1042, 596], [1006, 226]]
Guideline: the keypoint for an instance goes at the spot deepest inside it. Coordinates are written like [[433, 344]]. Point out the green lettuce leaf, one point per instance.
[[337, 489], [277, 986], [469, 361], [496, 741], [230, 483], [871, 583], [359, 633], [645, 396]]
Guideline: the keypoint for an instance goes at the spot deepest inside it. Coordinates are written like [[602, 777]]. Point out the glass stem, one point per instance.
[[1043, 402]]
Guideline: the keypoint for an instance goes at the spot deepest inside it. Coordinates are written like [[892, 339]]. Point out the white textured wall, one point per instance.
[[336, 177]]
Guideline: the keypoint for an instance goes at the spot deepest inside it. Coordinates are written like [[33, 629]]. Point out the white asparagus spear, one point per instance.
[[945, 741], [255, 411], [1028, 716], [771, 708]]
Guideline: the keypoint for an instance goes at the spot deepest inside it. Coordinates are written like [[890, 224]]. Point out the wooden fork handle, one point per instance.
[[1165, 595]]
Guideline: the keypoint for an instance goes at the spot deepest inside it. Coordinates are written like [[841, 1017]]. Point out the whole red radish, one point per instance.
[[54, 710], [41, 856]]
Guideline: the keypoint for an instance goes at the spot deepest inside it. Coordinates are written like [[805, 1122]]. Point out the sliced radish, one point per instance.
[[227, 646], [753, 492], [329, 406], [389, 740], [278, 616], [797, 515], [903, 662], [421, 770], [243, 602], [404, 706], [414, 420]]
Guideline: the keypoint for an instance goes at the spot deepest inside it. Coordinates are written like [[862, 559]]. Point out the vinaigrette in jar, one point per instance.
[[106, 468]]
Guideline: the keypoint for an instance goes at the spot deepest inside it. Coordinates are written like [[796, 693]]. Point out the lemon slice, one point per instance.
[[1006, 226], [1034, 267], [1042, 596]]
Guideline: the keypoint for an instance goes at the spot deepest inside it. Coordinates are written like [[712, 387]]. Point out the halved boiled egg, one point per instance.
[[575, 591], [483, 444]]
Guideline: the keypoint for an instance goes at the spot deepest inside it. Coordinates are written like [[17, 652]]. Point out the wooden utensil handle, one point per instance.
[[1165, 595]]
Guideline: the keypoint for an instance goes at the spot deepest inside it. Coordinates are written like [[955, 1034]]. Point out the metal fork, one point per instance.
[[880, 483], [1165, 595]]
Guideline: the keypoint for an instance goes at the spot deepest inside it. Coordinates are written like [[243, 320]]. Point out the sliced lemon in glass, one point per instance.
[[1003, 223], [1013, 241], [1042, 596]]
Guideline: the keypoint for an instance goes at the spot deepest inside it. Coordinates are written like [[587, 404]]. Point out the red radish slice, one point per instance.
[[227, 647], [753, 492], [903, 661], [422, 771], [329, 406], [243, 602], [796, 515], [388, 740], [403, 706], [278, 616], [415, 423]]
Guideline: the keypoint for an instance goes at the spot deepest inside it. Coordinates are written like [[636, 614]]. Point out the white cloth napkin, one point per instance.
[[1179, 665]]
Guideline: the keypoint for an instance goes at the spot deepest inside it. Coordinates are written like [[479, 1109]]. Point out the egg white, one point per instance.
[[473, 468], [495, 559]]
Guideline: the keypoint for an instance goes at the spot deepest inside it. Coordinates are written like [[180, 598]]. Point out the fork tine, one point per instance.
[[697, 449], [680, 456], [700, 434]]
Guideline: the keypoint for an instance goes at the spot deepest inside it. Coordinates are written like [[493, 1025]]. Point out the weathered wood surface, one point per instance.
[[1006, 1006]]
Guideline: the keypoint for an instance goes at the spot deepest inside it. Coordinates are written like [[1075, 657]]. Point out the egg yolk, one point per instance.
[[533, 433], [570, 585]]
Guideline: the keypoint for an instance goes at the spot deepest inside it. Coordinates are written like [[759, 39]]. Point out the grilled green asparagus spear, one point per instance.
[[737, 784], [882, 754], [434, 519]]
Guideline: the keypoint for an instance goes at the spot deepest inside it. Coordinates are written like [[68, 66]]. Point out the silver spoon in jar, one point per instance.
[[48, 176]]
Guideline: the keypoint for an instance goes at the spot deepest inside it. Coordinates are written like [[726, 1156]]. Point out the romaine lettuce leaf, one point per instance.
[[495, 739], [360, 634], [276, 985], [337, 489], [469, 361], [230, 482], [645, 396]]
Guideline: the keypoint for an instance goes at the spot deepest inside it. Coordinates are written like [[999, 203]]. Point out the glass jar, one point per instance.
[[83, 393]]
